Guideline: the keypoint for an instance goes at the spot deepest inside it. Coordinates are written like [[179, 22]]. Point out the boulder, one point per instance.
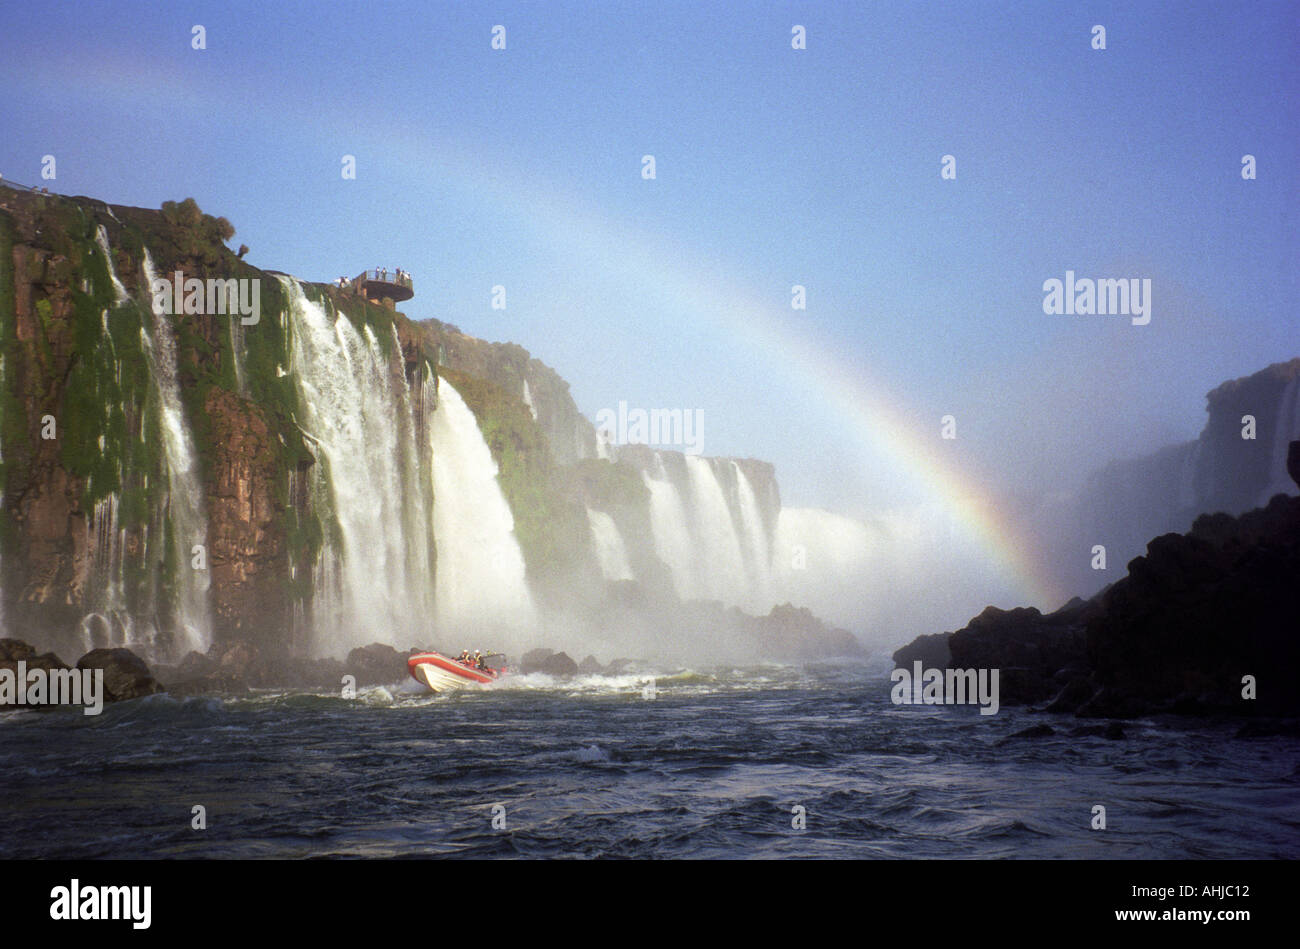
[[376, 664], [590, 667], [126, 676], [558, 664]]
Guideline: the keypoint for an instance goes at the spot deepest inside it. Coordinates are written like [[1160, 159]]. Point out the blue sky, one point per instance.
[[819, 167]]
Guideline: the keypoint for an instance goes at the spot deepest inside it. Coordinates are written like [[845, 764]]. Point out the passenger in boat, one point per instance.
[[464, 656]]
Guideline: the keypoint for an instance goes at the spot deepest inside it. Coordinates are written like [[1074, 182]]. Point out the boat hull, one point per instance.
[[443, 674]]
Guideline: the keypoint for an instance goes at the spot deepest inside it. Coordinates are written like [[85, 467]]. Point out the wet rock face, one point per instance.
[[1293, 462], [245, 518], [126, 676]]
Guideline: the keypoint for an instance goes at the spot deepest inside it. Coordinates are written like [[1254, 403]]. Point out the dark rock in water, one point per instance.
[[193, 666], [548, 662], [212, 683], [238, 660], [618, 667], [1110, 703], [1202, 610], [590, 666], [1293, 462], [931, 650], [376, 664], [1076, 692], [14, 651], [1033, 731], [532, 660], [558, 664], [126, 676]]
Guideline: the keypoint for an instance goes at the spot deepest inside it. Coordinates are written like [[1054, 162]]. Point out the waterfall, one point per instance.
[[672, 534], [481, 586], [611, 552], [718, 551], [372, 577], [1286, 430], [754, 541], [119, 291], [186, 519], [528, 401]]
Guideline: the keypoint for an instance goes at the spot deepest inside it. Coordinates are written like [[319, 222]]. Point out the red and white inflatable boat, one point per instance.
[[444, 674]]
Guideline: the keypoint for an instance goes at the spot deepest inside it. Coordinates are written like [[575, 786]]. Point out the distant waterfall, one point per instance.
[[709, 531], [372, 579], [1287, 430], [528, 400], [718, 551], [754, 541], [672, 533], [611, 552], [186, 519], [481, 586]]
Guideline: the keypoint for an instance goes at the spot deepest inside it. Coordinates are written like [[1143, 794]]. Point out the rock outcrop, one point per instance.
[[126, 675], [1204, 622]]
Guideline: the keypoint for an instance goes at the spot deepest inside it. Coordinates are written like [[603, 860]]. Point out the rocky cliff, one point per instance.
[[1126, 502], [183, 481], [1203, 622]]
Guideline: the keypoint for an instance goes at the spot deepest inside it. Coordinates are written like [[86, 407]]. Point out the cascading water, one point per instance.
[[717, 544], [1287, 430], [611, 552], [186, 518], [119, 291], [481, 585], [754, 541], [528, 401], [372, 579], [672, 534]]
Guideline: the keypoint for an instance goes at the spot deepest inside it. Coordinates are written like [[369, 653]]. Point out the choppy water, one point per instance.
[[712, 766]]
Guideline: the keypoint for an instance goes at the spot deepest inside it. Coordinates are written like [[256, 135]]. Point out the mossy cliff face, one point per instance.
[[570, 435], [550, 525], [82, 515], [89, 553]]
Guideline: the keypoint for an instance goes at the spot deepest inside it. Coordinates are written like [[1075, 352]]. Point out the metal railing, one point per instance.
[[398, 279]]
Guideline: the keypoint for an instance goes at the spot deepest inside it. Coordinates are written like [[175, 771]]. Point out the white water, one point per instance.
[[672, 534], [528, 400], [611, 552], [754, 542], [1287, 430], [186, 519], [372, 580], [481, 587], [717, 547], [119, 291]]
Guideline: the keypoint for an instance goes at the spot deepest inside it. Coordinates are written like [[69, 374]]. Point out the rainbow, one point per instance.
[[867, 408]]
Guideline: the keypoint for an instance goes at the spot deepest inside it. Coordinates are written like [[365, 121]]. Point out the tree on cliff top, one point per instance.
[[201, 231]]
